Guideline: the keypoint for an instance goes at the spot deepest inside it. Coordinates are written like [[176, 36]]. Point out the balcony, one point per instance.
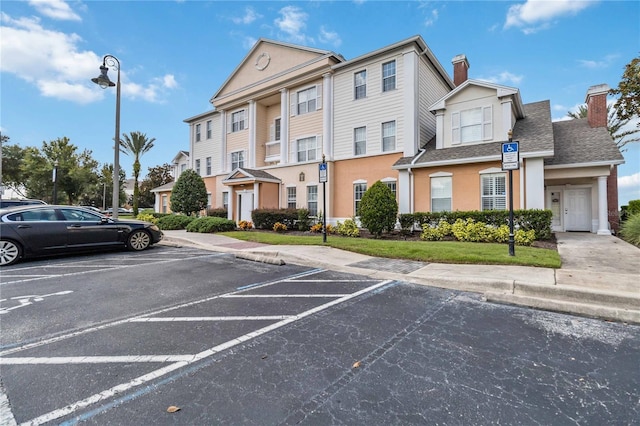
[[272, 154]]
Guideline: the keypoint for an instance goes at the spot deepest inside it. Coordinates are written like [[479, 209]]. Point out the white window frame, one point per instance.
[[208, 166], [441, 191], [198, 132], [472, 125], [392, 184], [238, 120], [209, 205], [291, 197], [164, 203], [312, 200], [387, 138], [305, 148], [225, 200], [359, 188], [236, 158], [302, 97], [360, 140], [208, 129], [360, 85], [493, 190], [389, 76], [198, 167]]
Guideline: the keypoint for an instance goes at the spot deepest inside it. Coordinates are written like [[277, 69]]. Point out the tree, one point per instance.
[[157, 176], [12, 175], [618, 128], [136, 144], [628, 105], [189, 194], [378, 209]]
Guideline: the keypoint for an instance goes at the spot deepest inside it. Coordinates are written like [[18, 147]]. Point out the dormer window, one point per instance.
[[471, 125]]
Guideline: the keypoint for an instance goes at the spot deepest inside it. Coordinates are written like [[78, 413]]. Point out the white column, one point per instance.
[[327, 116], [603, 217], [230, 208], [405, 191], [223, 146], [256, 195], [252, 134], [284, 126]]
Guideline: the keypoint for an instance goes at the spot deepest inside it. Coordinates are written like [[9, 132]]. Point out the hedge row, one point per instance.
[[266, 218], [209, 224], [537, 220]]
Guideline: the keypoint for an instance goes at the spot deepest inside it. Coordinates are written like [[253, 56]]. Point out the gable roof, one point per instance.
[[317, 54], [165, 187], [534, 133], [502, 91], [579, 145], [242, 175], [178, 155]]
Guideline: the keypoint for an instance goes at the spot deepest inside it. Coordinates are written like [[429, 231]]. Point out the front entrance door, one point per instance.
[[245, 205], [577, 211]]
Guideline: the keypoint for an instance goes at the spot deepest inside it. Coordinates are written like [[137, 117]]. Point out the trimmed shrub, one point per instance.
[[303, 220], [378, 209], [147, 217], [349, 228], [174, 221], [630, 230], [189, 194], [316, 228], [266, 218], [217, 212], [207, 225], [245, 225]]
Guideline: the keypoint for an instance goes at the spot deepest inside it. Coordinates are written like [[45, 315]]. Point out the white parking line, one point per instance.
[[196, 319], [94, 359], [281, 296], [119, 389]]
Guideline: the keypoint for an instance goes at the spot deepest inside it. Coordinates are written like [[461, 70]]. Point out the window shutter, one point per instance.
[[229, 123], [293, 152], [455, 128], [294, 105], [272, 133], [319, 96], [487, 125]]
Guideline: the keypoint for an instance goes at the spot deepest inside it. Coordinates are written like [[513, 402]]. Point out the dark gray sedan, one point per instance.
[[30, 231]]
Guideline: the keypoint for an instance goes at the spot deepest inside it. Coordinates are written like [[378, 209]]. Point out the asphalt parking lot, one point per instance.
[[118, 338]]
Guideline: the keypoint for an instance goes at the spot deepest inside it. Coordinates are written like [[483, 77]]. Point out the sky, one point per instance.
[[174, 55]]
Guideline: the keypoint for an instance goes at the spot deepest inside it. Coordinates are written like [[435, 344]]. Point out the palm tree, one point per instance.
[[615, 126], [136, 143]]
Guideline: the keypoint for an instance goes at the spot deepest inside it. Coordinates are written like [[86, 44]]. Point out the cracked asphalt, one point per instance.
[[257, 344]]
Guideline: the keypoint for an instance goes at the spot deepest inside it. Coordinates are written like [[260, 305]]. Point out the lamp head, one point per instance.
[[103, 79]]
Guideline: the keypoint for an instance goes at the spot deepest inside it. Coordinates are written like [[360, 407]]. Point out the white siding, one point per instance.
[[432, 88], [209, 147]]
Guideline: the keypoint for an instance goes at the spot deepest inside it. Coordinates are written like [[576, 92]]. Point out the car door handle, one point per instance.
[[24, 226], [75, 225]]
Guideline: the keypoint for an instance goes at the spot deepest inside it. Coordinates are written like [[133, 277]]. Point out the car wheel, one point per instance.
[[10, 252], [138, 240]]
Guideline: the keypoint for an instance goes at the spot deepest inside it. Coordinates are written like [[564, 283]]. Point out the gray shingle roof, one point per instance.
[[578, 143]]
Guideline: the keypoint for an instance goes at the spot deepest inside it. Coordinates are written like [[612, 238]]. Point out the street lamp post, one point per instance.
[[55, 182], [103, 81]]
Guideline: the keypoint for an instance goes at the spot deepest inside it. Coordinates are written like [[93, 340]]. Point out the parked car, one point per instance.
[[40, 230], [19, 202], [121, 210]]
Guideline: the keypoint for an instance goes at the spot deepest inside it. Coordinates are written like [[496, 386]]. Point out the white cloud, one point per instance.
[[632, 181], [602, 63], [292, 22], [55, 9], [431, 19], [52, 61], [249, 16], [504, 77], [536, 15], [329, 37]]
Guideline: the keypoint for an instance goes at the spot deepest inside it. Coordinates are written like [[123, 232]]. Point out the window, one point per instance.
[[307, 149], [389, 76], [237, 159], [307, 100], [225, 200], [360, 141], [494, 192], [209, 200], [389, 136], [312, 200], [209, 129], [208, 166], [360, 85], [238, 121], [358, 191], [441, 194], [183, 167], [471, 125], [291, 197], [392, 185], [198, 166], [277, 129], [197, 133]]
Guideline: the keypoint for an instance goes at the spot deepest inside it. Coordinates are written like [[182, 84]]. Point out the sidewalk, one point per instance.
[[599, 276]]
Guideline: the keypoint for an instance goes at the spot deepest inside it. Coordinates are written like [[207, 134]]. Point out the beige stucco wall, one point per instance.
[[465, 186]]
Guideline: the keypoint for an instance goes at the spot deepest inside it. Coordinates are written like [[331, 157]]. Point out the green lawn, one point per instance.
[[427, 251]]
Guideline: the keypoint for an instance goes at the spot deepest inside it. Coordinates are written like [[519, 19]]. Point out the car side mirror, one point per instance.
[[104, 220]]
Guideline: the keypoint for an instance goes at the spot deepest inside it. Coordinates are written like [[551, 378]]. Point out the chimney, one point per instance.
[[597, 105], [460, 69]]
